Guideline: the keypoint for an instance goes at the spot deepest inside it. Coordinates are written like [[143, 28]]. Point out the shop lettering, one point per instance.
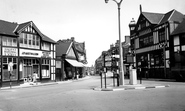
[[10, 51], [46, 54], [29, 53]]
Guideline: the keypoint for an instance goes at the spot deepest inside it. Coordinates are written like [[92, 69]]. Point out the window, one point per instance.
[[176, 40], [29, 41], [46, 46], [54, 47], [45, 68], [182, 39], [151, 40], [5, 72], [8, 41], [146, 41], [147, 23], [162, 35], [0, 40]]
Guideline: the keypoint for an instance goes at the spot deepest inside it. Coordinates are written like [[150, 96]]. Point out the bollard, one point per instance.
[[117, 79]]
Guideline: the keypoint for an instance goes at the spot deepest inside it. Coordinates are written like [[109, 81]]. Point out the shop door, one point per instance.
[[28, 71], [36, 70]]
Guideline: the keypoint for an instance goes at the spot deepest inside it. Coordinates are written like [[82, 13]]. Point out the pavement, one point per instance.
[[109, 87], [146, 84], [31, 84]]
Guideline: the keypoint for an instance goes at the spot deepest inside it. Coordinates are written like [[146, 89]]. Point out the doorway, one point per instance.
[[28, 71]]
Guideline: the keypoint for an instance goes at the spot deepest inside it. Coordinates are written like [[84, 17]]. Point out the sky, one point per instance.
[[91, 21]]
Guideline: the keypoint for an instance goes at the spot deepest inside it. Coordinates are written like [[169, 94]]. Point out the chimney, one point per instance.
[[140, 8], [72, 39]]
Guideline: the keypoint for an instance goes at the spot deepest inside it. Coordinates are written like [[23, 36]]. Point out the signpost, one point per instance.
[[10, 69]]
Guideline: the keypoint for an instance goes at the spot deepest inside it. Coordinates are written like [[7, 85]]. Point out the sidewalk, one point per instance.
[[127, 86], [28, 85]]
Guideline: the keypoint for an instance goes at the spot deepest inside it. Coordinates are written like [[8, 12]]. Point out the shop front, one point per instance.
[[9, 56], [34, 61]]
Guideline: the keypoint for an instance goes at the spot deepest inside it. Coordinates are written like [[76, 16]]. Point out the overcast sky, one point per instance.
[[89, 21]]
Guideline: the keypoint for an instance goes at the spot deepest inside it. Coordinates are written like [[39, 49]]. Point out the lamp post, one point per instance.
[[121, 72]]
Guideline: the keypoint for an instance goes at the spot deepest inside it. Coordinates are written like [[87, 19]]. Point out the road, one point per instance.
[[80, 96]]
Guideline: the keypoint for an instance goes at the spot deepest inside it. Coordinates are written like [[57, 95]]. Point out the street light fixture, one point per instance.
[[120, 44]]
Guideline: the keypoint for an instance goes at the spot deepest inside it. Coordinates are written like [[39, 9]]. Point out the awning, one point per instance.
[[75, 63]]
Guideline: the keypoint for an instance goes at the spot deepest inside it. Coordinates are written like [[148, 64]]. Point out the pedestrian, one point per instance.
[[35, 76], [77, 75]]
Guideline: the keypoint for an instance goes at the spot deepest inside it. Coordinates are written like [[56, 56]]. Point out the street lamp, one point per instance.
[[120, 44]]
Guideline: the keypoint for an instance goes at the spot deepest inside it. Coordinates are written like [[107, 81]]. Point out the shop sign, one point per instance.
[[10, 51], [46, 54], [30, 53]]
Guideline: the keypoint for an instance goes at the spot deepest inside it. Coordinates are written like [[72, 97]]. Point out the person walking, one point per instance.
[[35, 76]]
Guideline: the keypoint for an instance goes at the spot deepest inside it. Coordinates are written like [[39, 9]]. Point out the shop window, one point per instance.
[[5, 72], [45, 71], [45, 68]]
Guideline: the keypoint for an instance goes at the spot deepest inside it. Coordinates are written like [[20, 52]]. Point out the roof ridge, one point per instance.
[[9, 22], [16, 28], [173, 11], [153, 13], [161, 19]]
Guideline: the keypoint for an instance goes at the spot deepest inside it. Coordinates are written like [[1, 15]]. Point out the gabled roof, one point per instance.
[[26, 24], [47, 39], [180, 28], [62, 47], [22, 26], [80, 47], [172, 15], [154, 18], [159, 18], [7, 28]]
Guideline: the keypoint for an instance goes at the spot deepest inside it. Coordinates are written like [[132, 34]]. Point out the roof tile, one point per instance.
[[7, 27], [154, 18], [62, 47]]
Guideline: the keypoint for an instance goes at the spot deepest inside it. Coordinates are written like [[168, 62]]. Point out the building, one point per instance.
[[110, 58], [71, 59], [99, 64], [24, 49], [177, 61], [151, 42]]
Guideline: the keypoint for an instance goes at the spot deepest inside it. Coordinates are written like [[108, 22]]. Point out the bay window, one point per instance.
[[29, 40]]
